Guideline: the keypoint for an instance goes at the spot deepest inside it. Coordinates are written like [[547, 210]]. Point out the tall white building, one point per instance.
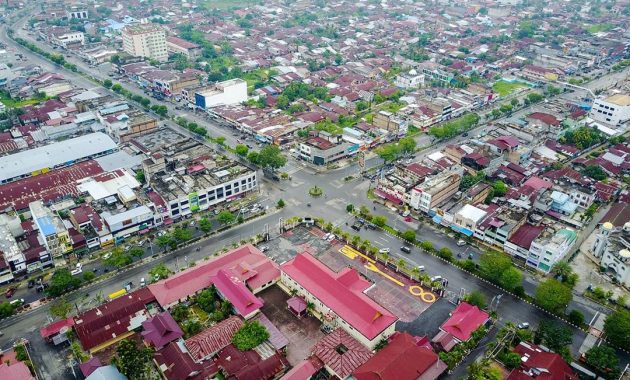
[[612, 246], [613, 110], [233, 91], [145, 40], [548, 249]]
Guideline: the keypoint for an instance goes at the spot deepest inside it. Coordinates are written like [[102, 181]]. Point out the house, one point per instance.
[[176, 45], [108, 372], [341, 353], [401, 359], [252, 268], [102, 326], [207, 343], [236, 364], [539, 364], [612, 247], [339, 296], [464, 320], [161, 330], [175, 363]]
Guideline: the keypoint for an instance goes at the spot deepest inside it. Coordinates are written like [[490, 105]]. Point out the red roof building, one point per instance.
[[341, 353], [161, 330], [16, 371], [113, 321], [402, 359], [48, 331], [464, 320], [210, 341], [246, 263], [342, 295], [540, 365], [176, 364], [249, 365]]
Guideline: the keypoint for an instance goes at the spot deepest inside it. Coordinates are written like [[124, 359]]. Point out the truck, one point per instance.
[[116, 294]]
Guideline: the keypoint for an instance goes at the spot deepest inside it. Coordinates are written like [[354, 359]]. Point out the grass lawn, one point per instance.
[[227, 4], [596, 28], [200, 314], [13, 103], [504, 88]]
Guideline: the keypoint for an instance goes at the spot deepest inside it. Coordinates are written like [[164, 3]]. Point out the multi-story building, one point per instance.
[[190, 177], [229, 92], [612, 247], [176, 45], [549, 248], [66, 38], [339, 299], [410, 80], [500, 225], [390, 122], [435, 191], [77, 13], [128, 222], [613, 110], [53, 233], [145, 40], [323, 149]]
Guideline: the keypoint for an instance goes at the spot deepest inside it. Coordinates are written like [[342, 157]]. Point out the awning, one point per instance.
[[168, 221], [462, 230], [387, 197], [437, 219]]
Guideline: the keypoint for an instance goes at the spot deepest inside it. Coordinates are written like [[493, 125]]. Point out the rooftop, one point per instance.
[[212, 340], [341, 352], [464, 320], [59, 153], [619, 99], [337, 292]]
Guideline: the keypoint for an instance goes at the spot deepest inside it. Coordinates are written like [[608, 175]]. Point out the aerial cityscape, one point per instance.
[[314, 189]]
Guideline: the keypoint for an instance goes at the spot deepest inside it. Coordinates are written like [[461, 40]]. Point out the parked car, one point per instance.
[[420, 268], [142, 282], [17, 302], [405, 249], [461, 243], [264, 248], [31, 283], [383, 250], [523, 325], [9, 293]]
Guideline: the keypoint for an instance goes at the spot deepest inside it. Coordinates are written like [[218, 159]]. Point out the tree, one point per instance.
[[500, 188], [445, 253], [226, 217], [510, 279], [116, 87], [604, 359], [576, 317], [511, 360], [241, 150], [477, 298], [179, 313], [6, 309], [107, 83], [595, 172], [280, 203], [427, 246], [492, 264], [140, 176], [409, 235], [182, 234], [61, 308], [159, 272], [164, 241], [250, 335], [207, 299], [220, 140], [88, 276], [552, 295], [132, 361], [136, 252], [62, 281], [379, 220], [271, 157], [553, 335], [407, 145], [254, 158], [118, 258], [617, 328], [205, 225], [349, 208], [388, 152]]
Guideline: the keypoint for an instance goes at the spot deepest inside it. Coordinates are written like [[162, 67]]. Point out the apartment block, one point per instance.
[[145, 40]]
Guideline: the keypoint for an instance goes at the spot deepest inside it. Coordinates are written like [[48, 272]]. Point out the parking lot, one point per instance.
[[403, 297]]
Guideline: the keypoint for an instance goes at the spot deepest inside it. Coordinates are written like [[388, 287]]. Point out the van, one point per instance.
[[142, 282], [461, 243], [405, 249]]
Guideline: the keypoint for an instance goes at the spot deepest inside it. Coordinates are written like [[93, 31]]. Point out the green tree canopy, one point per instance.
[[270, 156], [605, 360], [61, 308], [477, 298], [241, 150], [250, 335], [62, 281], [617, 328], [159, 272], [553, 295], [132, 361], [225, 217]]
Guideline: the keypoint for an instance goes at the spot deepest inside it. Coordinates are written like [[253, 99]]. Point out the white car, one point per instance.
[[77, 271], [383, 250], [461, 243], [406, 213], [326, 236], [331, 237]]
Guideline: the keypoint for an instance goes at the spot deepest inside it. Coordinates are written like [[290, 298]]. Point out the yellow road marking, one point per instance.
[[418, 291], [374, 269]]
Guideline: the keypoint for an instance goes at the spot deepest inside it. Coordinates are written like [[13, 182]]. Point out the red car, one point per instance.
[[9, 292]]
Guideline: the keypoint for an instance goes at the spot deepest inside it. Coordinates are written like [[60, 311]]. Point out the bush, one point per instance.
[[409, 236], [250, 335], [576, 318]]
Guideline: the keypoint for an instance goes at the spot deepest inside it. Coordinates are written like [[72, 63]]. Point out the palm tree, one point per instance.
[[415, 272], [385, 257], [402, 264], [355, 240], [310, 307], [293, 292], [337, 231]]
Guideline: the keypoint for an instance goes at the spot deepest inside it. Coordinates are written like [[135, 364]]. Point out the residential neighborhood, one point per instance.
[[317, 189]]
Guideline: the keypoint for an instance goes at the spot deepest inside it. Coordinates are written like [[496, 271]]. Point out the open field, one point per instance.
[[504, 88]]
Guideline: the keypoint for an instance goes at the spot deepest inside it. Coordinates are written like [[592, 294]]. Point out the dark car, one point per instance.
[[31, 283], [405, 249], [9, 293]]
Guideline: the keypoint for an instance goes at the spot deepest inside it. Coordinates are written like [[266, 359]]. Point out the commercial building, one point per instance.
[[53, 233], [612, 247], [435, 191], [124, 224], [323, 149], [229, 92], [410, 80], [550, 247], [145, 40], [339, 299], [190, 178], [176, 45], [53, 156], [613, 110], [67, 38]]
